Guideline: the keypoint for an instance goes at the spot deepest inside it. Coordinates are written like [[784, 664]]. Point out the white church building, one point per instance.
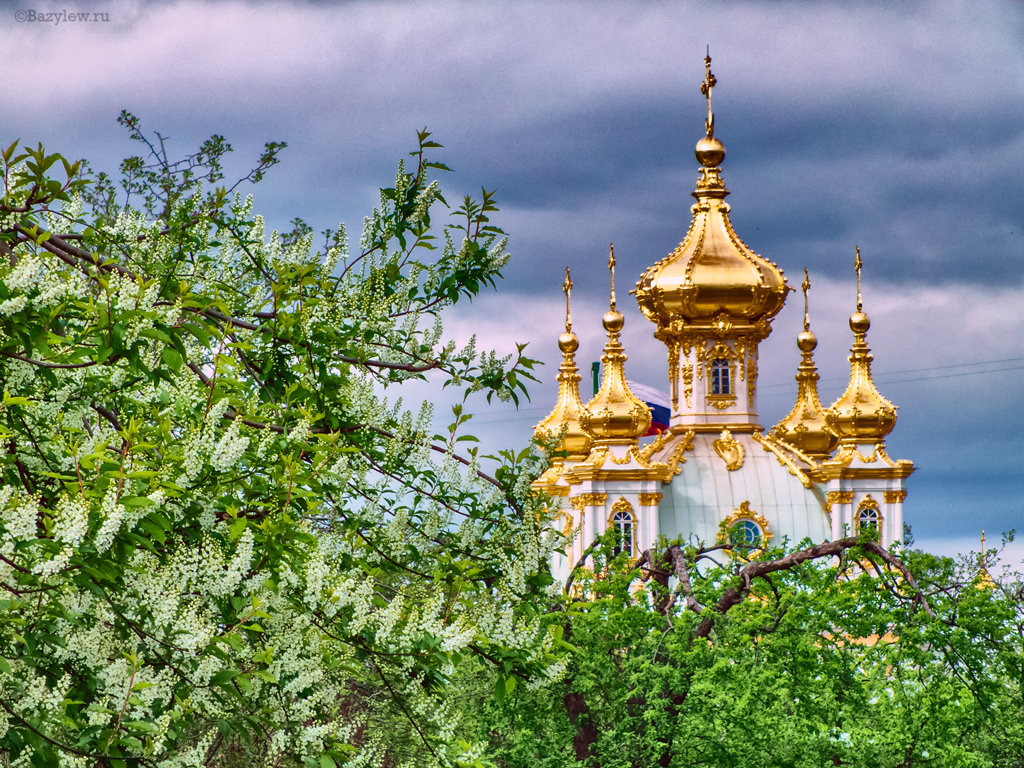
[[716, 475]]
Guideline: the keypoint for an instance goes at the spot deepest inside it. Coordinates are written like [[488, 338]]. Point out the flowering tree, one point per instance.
[[222, 540]]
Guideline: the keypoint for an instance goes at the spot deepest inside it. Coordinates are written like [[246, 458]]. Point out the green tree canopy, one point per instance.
[[838, 654], [223, 537]]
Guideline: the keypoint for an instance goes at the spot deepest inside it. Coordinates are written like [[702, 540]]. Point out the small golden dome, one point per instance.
[[806, 427], [861, 414], [615, 415], [712, 277], [563, 423]]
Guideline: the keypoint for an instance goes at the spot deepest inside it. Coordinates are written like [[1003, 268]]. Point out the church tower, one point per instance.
[[711, 300], [715, 477]]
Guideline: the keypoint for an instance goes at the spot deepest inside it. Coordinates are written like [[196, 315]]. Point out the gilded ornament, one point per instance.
[[649, 499], [688, 384], [721, 403], [729, 450], [772, 447], [838, 497], [677, 458], [673, 375], [895, 497], [588, 500], [652, 448]]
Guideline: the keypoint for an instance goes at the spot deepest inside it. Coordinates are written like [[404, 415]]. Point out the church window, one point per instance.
[[720, 384], [623, 524], [869, 519], [746, 534]]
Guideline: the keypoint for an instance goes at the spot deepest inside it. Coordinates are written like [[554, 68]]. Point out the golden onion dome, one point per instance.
[[615, 415], [806, 427], [861, 414], [712, 278], [563, 423]]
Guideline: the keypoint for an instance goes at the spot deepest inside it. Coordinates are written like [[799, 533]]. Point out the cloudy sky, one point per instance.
[[898, 127]]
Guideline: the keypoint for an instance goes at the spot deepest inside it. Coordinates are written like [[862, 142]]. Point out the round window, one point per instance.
[[746, 534]]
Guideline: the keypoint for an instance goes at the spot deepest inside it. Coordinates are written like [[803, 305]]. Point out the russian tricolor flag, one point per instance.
[[657, 401]]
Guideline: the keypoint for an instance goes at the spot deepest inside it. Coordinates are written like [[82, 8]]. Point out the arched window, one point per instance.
[[622, 522], [869, 519], [745, 533], [720, 384]]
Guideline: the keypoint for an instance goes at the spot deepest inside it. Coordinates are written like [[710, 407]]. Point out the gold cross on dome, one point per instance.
[[567, 287], [611, 270], [806, 286], [709, 82], [857, 266]]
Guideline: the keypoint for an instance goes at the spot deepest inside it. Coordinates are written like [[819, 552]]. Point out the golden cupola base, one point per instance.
[[805, 427], [712, 299]]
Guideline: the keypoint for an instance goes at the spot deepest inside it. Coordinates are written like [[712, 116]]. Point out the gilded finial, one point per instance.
[[706, 85], [806, 286], [611, 270], [567, 287], [857, 266], [984, 578]]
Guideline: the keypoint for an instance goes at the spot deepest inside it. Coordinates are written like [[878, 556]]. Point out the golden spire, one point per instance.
[[712, 278], [806, 428], [566, 414], [861, 414], [615, 415]]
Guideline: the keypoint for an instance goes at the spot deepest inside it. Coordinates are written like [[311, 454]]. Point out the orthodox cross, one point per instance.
[[611, 270], [806, 285], [708, 83], [567, 287], [857, 266]]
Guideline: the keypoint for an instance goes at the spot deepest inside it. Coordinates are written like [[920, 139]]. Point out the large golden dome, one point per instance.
[[712, 279], [712, 276]]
